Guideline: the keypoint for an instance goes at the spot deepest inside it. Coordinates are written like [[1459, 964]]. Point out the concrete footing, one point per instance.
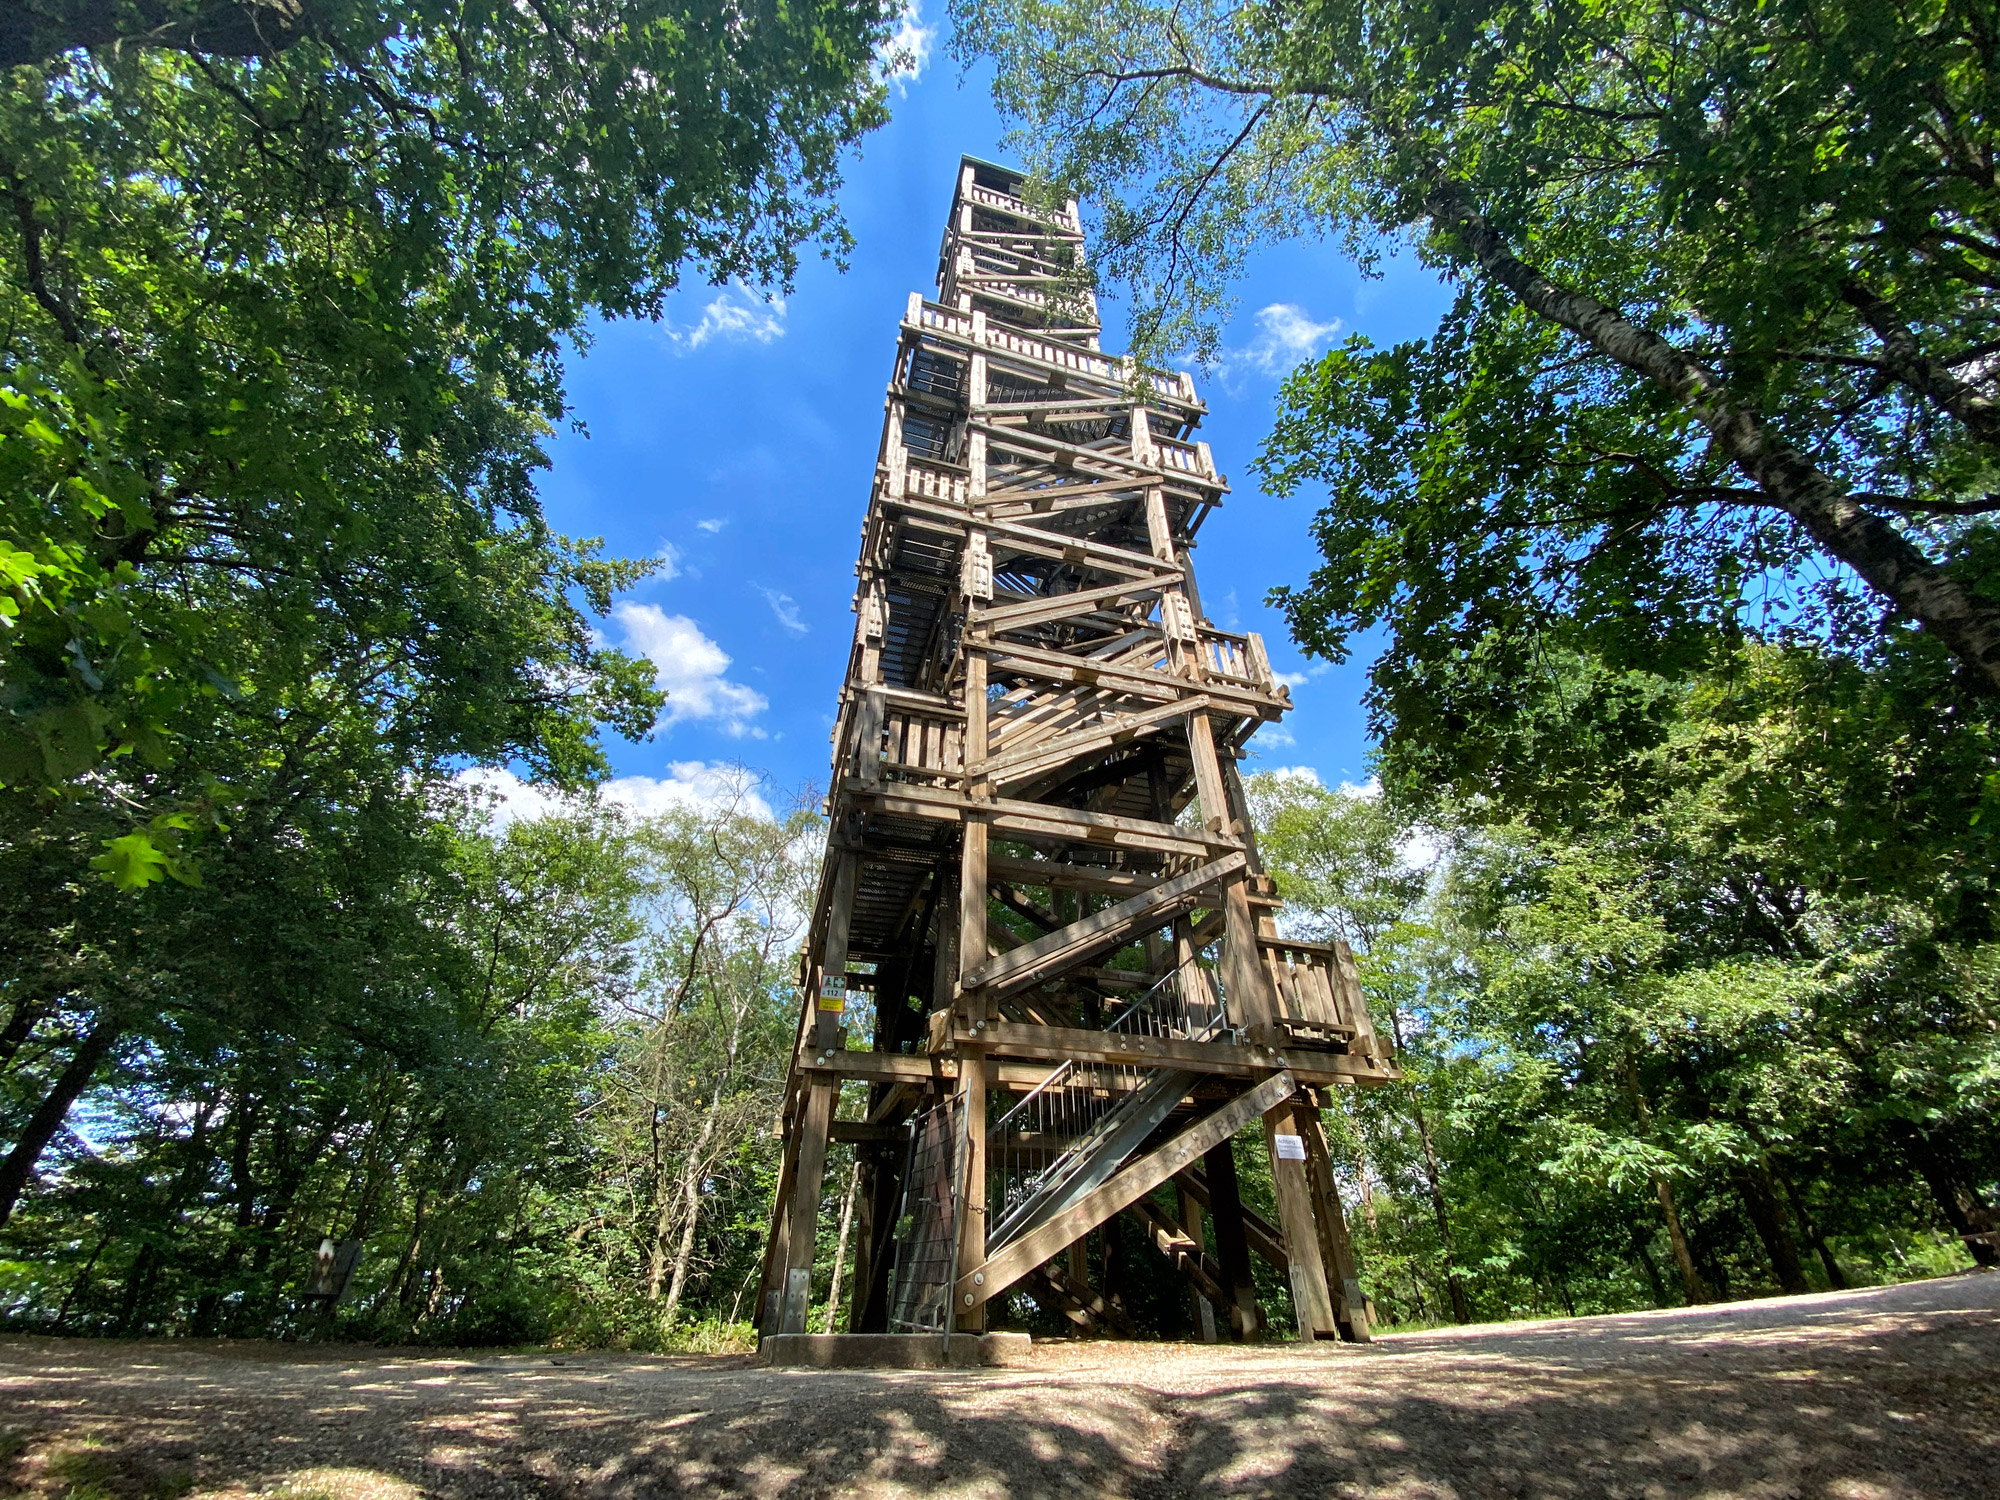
[[891, 1351]]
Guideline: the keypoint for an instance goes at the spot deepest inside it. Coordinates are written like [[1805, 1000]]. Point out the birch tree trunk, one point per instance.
[[840, 1246], [1869, 544]]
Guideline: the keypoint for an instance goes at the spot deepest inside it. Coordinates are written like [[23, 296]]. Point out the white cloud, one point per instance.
[[667, 562], [735, 315], [786, 610], [901, 59], [1296, 773], [1286, 337], [691, 668], [712, 525], [698, 786], [1304, 675]]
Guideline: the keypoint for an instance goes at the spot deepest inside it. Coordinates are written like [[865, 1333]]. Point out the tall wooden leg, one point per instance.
[[1232, 1245], [871, 1311], [832, 998], [771, 1282], [1343, 1270], [1310, 1302], [802, 1219], [971, 1316], [867, 1187]]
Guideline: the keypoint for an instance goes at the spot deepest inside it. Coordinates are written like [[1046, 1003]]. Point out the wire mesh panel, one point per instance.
[[927, 1225]]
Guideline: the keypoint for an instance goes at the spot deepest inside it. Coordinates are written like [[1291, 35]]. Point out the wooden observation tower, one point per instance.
[[1044, 975]]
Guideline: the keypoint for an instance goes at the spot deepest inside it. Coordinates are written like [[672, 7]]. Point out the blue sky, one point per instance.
[[737, 438]]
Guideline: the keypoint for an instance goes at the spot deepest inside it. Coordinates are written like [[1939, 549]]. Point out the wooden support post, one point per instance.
[[871, 1295], [972, 887], [832, 999], [1248, 985], [802, 1218], [970, 1311], [1232, 1245], [1204, 1309], [1343, 1271], [1311, 1305], [868, 1179], [771, 1281]]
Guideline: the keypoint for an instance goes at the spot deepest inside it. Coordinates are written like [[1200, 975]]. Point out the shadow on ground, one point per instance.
[[1889, 1394]]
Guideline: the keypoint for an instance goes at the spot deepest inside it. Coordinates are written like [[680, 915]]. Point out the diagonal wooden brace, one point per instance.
[[1041, 611], [1047, 956], [1127, 1187]]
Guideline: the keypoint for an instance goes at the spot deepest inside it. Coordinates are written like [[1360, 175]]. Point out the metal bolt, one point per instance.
[[968, 1299], [979, 1278]]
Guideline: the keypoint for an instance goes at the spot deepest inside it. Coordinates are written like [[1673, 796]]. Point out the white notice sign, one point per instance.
[[1290, 1147]]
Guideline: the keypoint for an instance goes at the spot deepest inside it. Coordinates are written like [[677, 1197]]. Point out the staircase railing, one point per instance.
[[1080, 1124]]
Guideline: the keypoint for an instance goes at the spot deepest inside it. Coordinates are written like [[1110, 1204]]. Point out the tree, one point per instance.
[[287, 289], [1345, 870], [526, 1069], [1725, 290]]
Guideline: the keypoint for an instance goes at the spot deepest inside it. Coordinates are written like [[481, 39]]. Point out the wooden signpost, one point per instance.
[[1045, 981]]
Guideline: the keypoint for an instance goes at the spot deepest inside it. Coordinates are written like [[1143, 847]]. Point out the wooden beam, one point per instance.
[[1259, 1233], [1127, 1186], [1181, 1249], [1343, 1272], [857, 1132], [1031, 963], [1046, 608], [1063, 877], [970, 1313], [1006, 815], [802, 1219], [1312, 1303]]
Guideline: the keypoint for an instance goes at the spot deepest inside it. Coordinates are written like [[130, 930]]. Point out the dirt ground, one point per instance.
[[1873, 1395]]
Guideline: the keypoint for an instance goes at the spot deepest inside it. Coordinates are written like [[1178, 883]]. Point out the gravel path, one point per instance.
[[1887, 1394]]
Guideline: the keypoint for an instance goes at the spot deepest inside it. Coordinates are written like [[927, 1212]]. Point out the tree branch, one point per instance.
[[1932, 379], [1864, 541]]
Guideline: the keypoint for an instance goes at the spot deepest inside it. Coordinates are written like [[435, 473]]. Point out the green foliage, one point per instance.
[[529, 1069], [285, 318], [1741, 965], [1716, 267]]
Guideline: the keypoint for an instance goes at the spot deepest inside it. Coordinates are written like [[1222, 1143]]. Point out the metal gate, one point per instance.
[[926, 1253]]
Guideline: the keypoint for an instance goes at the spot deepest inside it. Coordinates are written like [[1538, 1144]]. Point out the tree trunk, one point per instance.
[[840, 1245], [1691, 1284], [1836, 1278], [21, 1022], [1645, 1258], [1753, 1186], [697, 1168], [1872, 546], [47, 1119], [1933, 380], [1959, 1204], [1461, 1305]]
